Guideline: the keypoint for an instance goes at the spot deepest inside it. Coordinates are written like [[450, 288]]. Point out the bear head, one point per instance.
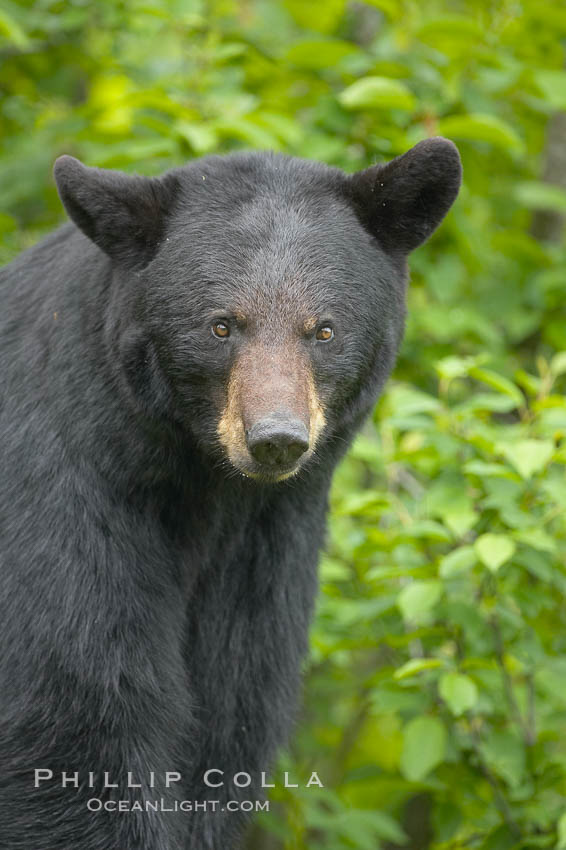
[[258, 300]]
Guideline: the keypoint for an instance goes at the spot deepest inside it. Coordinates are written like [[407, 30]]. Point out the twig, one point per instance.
[[531, 728]]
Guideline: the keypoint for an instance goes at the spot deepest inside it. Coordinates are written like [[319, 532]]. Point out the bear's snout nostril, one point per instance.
[[273, 442]]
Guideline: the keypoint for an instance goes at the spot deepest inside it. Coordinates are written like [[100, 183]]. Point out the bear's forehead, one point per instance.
[[279, 241], [269, 234], [255, 189], [273, 257]]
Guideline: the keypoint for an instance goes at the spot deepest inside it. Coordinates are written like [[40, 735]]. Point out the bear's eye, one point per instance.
[[221, 330], [325, 333]]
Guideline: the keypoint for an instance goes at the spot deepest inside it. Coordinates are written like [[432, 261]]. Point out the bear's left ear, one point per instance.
[[403, 202], [123, 214]]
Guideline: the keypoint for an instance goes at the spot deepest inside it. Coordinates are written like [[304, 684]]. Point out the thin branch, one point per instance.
[[531, 727]]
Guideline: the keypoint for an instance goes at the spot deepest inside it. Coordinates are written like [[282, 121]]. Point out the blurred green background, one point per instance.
[[435, 700]]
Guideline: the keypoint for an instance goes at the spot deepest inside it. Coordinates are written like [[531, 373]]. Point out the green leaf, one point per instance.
[[7, 223], [452, 27], [377, 93], [424, 747], [499, 383], [406, 400], [455, 367], [426, 528], [319, 55], [558, 363], [460, 520], [12, 31], [485, 401], [417, 665], [332, 569], [552, 85], [365, 826], [458, 561], [561, 832], [536, 538], [528, 456], [388, 7], [535, 195], [531, 383], [504, 752], [202, 139], [417, 599], [320, 17], [459, 692], [494, 550], [486, 470], [285, 127], [481, 128], [502, 838], [364, 503], [248, 131], [449, 499]]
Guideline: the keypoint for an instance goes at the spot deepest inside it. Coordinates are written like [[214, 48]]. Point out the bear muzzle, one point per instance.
[[273, 416]]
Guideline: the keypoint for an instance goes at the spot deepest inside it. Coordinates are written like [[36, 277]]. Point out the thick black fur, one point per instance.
[[154, 604]]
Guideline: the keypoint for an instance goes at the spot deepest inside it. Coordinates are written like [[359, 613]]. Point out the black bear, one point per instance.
[[182, 366]]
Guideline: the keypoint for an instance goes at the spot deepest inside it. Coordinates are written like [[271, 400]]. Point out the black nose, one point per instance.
[[276, 442]]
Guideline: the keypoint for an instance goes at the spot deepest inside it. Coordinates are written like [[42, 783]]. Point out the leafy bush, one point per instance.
[[436, 692], [438, 656]]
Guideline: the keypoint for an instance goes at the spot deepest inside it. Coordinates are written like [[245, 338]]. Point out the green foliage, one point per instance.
[[437, 682], [440, 638]]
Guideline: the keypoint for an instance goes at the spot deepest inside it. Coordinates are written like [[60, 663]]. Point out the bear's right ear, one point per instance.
[[123, 214]]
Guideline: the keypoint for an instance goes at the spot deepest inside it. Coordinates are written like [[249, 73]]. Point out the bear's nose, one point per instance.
[[273, 442]]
